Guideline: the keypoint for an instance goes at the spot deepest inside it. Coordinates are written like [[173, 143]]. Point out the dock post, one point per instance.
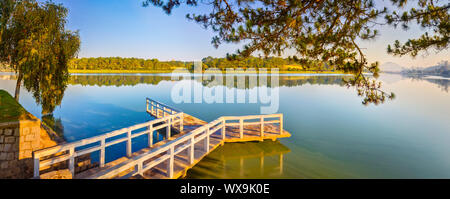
[[168, 127], [151, 107], [72, 161], [181, 122], [102, 153], [36, 165], [129, 143], [170, 163], [207, 140], [140, 168], [191, 150], [150, 135], [241, 128]]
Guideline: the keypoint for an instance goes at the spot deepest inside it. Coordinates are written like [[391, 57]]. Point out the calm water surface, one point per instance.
[[333, 134]]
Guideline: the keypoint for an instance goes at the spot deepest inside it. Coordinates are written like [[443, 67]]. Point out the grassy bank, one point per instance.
[[170, 71], [10, 110]]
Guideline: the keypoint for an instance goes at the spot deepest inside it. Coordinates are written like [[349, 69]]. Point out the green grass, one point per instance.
[[10, 110]]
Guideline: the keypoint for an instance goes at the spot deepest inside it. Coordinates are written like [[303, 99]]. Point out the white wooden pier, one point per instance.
[[171, 157]]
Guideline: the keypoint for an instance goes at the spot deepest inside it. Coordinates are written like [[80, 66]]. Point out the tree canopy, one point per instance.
[[431, 17], [119, 63], [325, 30], [37, 46]]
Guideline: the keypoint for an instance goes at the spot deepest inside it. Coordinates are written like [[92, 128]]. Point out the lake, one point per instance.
[[333, 134]]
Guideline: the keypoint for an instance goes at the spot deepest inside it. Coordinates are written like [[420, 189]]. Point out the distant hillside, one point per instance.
[[391, 67], [441, 69]]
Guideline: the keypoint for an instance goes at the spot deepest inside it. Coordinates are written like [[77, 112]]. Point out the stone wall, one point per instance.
[[18, 140]]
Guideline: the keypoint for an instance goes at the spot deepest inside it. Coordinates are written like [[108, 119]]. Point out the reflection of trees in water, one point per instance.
[[443, 84], [116, 80], [54, 123], [131, 80], [47, 93]]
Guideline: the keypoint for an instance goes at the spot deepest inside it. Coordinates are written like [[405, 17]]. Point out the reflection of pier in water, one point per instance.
[[442, 83], [237, 160]]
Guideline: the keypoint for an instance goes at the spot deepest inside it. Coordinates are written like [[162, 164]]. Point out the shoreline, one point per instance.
[[171, 71]]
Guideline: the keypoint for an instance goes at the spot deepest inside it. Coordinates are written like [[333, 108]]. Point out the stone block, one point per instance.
[[36, 130], [27, 154], [4, 165], [7, 147], [11, 156], [3, 156], [29, 137], [10, 139], [14, 147], [35, 145], [26, 131], [8, 131], [25, 146]]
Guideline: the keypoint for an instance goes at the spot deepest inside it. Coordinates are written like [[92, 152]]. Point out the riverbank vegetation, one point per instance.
[[136, 65], [10, 109]]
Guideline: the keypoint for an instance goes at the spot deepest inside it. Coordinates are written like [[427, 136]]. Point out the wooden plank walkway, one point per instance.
[[173, 156]]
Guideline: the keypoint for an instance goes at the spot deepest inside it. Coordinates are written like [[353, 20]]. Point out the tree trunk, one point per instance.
[[19, 82]]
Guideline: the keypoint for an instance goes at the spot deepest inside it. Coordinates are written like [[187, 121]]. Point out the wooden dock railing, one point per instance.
[[53, 155], [160, 110], [166, 118], [167, 152]]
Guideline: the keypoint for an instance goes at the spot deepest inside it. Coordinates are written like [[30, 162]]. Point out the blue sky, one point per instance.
[[125, 28]]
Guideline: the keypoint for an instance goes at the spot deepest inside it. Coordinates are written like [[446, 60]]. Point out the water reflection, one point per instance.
[[131, 80], [442, 82], [242, 160], [288, 80], [48, 92], [54, 123]]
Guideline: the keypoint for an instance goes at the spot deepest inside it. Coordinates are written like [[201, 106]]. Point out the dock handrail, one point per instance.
[[153, 106], [68, 151], [187, 141]]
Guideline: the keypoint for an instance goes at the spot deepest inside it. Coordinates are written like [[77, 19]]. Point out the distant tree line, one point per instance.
[[441, 69], [119, 63]]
